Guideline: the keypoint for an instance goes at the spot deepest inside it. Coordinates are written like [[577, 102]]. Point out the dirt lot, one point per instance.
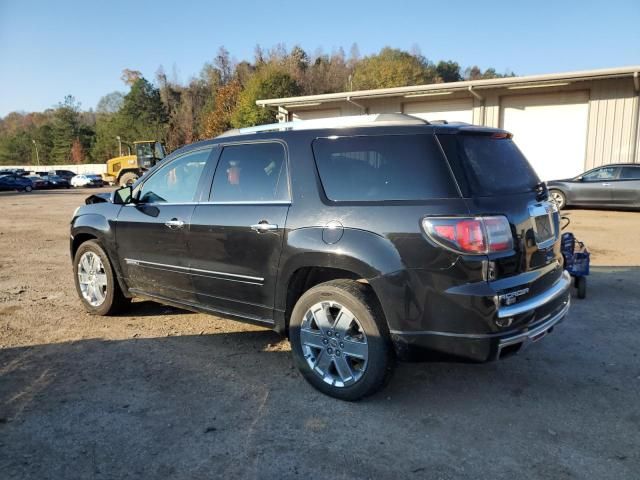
[[166, 393]]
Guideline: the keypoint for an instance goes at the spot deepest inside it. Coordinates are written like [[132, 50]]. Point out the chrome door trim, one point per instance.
[[143, 263]]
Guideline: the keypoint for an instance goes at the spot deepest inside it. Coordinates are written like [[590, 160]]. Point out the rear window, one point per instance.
[[383, 168], [489, 165]]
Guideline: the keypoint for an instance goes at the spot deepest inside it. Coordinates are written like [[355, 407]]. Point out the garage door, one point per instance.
[[311, 114], [550, 129], [460, 110]]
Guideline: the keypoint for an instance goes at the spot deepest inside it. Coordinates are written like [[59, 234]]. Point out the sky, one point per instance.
[[49, 49]]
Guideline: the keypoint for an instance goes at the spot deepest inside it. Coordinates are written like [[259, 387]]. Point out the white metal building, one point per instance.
[[565, 123]]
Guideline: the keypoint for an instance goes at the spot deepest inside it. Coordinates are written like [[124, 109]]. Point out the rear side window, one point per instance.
[[381, 168], [251, 173], [489, 164], [630, 173]]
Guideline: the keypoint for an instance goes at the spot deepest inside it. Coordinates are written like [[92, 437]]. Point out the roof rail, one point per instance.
[[375, 120]]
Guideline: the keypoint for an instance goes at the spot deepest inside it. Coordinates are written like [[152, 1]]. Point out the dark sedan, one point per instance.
[[615, 186], [15, 182], [54, 181]]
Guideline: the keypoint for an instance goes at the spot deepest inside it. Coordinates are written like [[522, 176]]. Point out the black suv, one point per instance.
[[364, 239]]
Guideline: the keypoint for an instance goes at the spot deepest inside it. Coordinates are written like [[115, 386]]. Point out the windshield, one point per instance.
[[490, 164]]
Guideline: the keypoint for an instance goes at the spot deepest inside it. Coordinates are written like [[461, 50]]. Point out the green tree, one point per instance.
[[448, 71], [65, 128], [143, 115], [268, 82], [391, 68]]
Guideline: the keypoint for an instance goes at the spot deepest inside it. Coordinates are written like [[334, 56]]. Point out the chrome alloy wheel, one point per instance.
[[92, 279], [556, 197], [334, 344]]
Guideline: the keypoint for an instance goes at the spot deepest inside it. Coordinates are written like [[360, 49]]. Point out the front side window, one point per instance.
[[251, 173], [383, 168], [605, 173], [177, 181], [630, 173]]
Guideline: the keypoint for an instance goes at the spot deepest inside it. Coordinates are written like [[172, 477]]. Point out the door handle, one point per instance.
[[174, 223], [264, 226]]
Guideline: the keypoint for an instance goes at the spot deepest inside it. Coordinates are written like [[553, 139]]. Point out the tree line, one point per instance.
[[221, 97]]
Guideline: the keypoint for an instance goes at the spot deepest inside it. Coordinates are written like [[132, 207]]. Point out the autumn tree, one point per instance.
[[77, 152], [129, 77], [219, 120]]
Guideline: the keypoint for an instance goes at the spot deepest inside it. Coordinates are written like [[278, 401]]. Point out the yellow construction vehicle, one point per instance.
[[126, 169]]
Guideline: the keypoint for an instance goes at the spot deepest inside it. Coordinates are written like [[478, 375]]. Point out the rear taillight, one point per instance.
[[472, 236]]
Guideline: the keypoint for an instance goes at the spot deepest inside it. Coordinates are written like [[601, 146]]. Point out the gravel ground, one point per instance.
[[166, 393]]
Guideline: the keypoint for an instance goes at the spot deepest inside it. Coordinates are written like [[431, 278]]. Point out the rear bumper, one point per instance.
[[539, 314]]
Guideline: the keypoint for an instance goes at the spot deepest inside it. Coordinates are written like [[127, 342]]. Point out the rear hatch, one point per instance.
[[496, 179]]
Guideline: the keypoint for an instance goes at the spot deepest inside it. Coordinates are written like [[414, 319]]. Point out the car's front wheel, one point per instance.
[[340, 341], [559, 198], [95, 280]]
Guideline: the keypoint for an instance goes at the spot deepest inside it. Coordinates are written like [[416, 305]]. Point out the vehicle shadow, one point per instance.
[[232, 405], [147, 308]]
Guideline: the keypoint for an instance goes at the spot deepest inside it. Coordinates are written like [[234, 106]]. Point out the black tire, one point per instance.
[[558, 197], [114, 301], [28, 189], [128, 178], [361, 302], [581, 285]]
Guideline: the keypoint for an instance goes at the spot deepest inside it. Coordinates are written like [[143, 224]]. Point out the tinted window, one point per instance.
[[177, 181], [630, 173], [251, 173], [385, 167], [489, 165], [606, 173]]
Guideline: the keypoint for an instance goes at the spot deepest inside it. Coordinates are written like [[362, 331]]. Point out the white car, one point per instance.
[[87, 181]]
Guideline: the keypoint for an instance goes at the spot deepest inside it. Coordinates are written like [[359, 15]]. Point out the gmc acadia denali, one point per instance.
[[363, 239]]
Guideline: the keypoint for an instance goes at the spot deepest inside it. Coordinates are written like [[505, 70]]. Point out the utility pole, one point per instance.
[[119, 145], [37, 155]]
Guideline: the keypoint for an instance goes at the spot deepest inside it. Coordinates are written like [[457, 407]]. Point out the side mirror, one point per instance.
[[123, 195], [580, 179]]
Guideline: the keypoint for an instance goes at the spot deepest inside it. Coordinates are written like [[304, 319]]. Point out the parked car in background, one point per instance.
[[15, 182], [66, 174], [54, 181], [363, 243], [39, 183], [612, 186], [87, 180]]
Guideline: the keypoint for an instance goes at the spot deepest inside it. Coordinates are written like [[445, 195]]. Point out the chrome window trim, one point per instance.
[[159, 204]]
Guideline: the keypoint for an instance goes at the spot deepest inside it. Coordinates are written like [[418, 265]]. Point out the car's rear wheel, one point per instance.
[[28, 188], [559, 198], [339, 340], [95, 281]]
